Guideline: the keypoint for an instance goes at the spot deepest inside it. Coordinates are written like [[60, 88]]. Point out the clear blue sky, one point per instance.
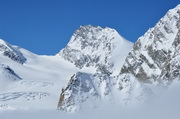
[[45, 26]]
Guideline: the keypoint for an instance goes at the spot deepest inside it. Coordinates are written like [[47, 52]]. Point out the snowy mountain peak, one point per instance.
[[88, 37], [94, 46], [155, 56], [11, 52]]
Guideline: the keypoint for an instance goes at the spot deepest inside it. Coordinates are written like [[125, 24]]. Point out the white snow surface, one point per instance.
[[36, 83], [164, 106], [40, 81]]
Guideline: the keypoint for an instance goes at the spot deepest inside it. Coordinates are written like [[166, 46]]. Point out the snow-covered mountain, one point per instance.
[[102, 48], [105, 50], [153, 59], [155, 56], [91, 51], [98, 66]]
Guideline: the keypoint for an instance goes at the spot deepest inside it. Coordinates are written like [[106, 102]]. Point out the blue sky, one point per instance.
[[45, 26]]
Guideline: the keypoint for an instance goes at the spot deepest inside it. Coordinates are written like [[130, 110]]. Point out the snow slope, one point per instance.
[[36, 83], [164, 106]]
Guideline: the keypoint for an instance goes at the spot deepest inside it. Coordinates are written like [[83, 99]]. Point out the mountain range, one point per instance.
[[98, 66]]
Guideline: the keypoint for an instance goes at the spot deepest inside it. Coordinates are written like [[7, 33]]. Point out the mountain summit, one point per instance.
[[155, 56], [94, 46]]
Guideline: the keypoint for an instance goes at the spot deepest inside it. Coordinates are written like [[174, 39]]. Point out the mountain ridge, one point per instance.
[[97, 66], [155, 49], [145, 63]]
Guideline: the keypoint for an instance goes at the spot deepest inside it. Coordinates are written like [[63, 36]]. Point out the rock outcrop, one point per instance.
[[11, 52]]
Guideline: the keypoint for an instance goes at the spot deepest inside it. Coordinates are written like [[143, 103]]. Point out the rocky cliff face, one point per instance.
[[11, 52], [93, 46], [89, 90], [6, 73], [155, 56]]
